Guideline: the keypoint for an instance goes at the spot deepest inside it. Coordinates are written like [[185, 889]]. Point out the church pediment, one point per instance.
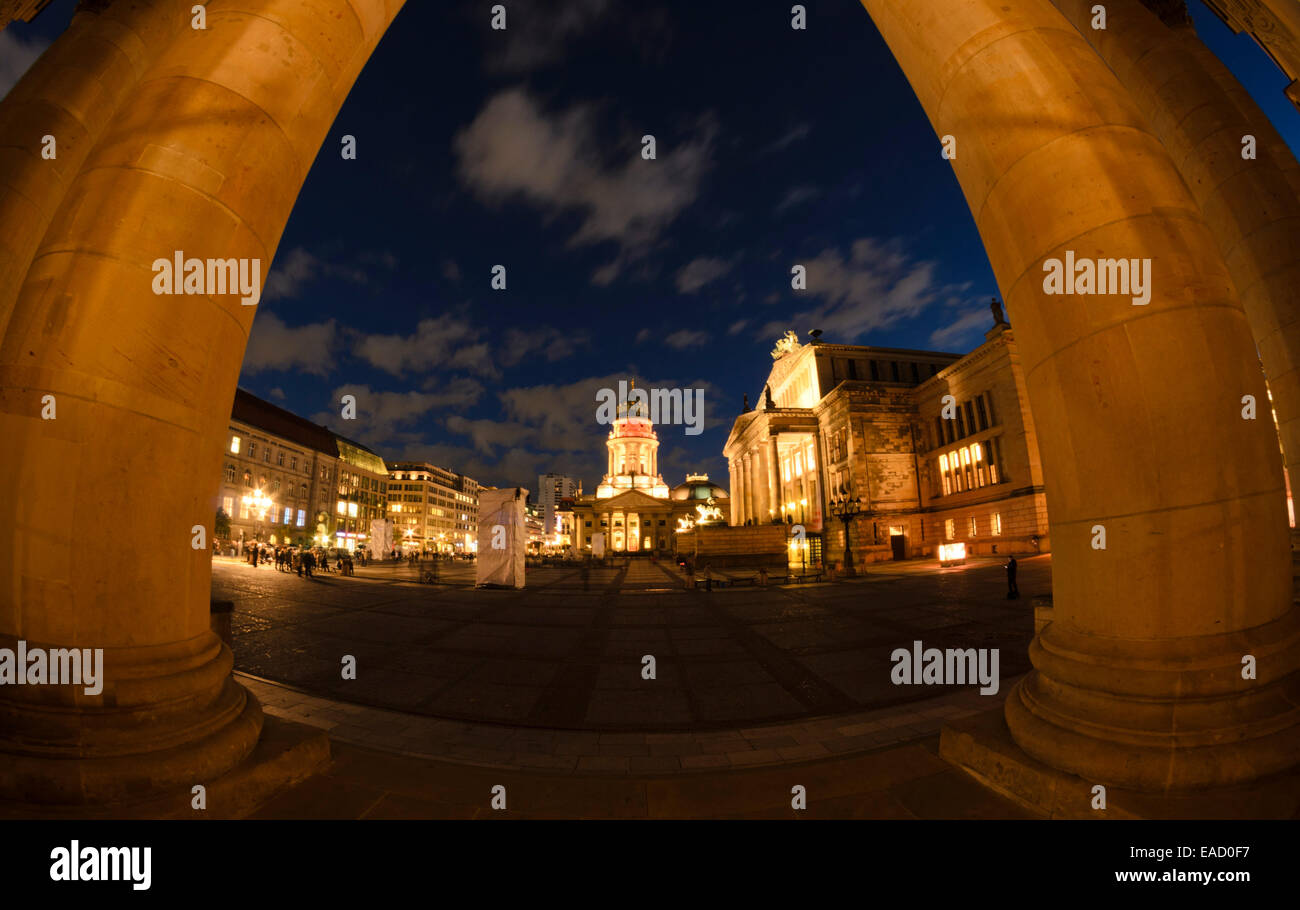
[[631, 501]]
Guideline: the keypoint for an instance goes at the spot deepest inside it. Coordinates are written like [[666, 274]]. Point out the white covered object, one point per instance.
[[501, 537]]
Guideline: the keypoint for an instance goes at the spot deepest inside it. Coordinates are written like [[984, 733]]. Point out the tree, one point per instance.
[[221, 527]]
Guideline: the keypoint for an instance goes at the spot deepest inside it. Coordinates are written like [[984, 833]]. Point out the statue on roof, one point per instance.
[[787, 344], [996, 306]]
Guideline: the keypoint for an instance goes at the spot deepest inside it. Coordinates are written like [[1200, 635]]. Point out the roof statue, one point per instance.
[[787, 344]]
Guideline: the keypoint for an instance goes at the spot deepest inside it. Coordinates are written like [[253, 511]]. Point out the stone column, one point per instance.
[[774, 469], [1251, 206], [1138, 680], [71, 93], [205, 153]]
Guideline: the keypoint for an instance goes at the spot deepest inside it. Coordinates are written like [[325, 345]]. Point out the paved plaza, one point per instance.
[[554, 657]]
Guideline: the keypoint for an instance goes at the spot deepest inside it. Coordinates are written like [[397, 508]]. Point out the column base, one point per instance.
[[1162, 716], [982, 746], [286, 753], [167, 717]]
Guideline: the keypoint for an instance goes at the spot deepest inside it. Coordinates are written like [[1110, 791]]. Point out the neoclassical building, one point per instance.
[[634, 509], [905, 450]]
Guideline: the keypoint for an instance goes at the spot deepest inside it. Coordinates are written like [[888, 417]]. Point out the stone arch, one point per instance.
[[201, 141]]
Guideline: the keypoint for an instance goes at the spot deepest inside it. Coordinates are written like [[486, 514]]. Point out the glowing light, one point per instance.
[[952, 554]]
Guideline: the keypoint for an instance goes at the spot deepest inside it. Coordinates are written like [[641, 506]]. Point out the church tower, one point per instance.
[[633, 451]]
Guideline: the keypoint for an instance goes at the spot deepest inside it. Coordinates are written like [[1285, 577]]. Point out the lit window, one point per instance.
[[352, 510], [234, 445], [950, 528], [302, 518], [343, 507], [974, 527], [228, 505], [798, 464], [995, 523], [288, 515]]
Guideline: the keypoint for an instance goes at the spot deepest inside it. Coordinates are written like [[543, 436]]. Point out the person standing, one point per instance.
[[1013, 591]]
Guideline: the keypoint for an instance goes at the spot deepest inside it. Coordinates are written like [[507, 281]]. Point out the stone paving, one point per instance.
[[577, 752], [553, 658], [903, 782]]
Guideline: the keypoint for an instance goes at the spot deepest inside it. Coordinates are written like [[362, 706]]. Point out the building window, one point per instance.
[[248, 479], [302, 518], [230, 473], [243, 508], [234, 445], [995, 524], [982, 413], [266, 454], [343, 507], [252, 450], [352, 510], [279, 458], [228, 505], [977, 453], [943, 470], [293, 463], [950, 528], [275, 486], [974, 527]]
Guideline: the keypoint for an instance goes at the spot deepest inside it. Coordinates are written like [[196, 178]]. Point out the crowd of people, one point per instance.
[[303, 560]]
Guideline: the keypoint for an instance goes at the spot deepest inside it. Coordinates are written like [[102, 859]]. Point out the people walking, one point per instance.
[[1013, 591]]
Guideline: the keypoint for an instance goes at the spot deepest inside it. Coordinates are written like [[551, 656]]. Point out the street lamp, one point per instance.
[[259, 502], [845, 508]]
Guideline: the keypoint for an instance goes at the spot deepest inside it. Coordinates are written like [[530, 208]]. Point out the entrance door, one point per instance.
[[898, 542]]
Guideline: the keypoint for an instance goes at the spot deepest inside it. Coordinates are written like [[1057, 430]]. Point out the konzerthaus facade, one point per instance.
[[846, 435]]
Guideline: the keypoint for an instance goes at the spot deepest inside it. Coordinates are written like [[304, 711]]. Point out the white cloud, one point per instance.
[[298, 268], [384, 420], [737, 327], [699, 272], [968, 324], [515, 149], [16, 58], [538, 32], [686, 338], [877, 285], [797, 195], [273, 345], [796, 134], [439, 341]]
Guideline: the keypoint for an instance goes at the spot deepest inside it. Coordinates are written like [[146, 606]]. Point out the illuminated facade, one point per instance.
[[432, 508], [903, 450], [634, 511], [277, 474], [633, 453]]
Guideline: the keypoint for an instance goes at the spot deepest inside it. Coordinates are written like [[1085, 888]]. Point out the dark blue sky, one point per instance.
[[523, 147]]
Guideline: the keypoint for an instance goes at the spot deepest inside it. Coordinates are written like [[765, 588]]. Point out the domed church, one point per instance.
[[633, 510]]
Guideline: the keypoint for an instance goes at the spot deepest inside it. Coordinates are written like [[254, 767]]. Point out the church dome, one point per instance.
[[697, 488]]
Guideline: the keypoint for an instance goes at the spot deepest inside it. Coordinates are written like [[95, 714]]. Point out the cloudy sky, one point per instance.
[[523, 148]]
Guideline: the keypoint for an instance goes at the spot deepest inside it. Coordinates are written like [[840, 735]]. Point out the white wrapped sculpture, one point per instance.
[[501, 537]]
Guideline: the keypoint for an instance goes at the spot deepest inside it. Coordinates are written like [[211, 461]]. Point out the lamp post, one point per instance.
[[845, 508], [259, 502]]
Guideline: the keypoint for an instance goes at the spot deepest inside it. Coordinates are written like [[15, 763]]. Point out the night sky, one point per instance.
[[523, 148]]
